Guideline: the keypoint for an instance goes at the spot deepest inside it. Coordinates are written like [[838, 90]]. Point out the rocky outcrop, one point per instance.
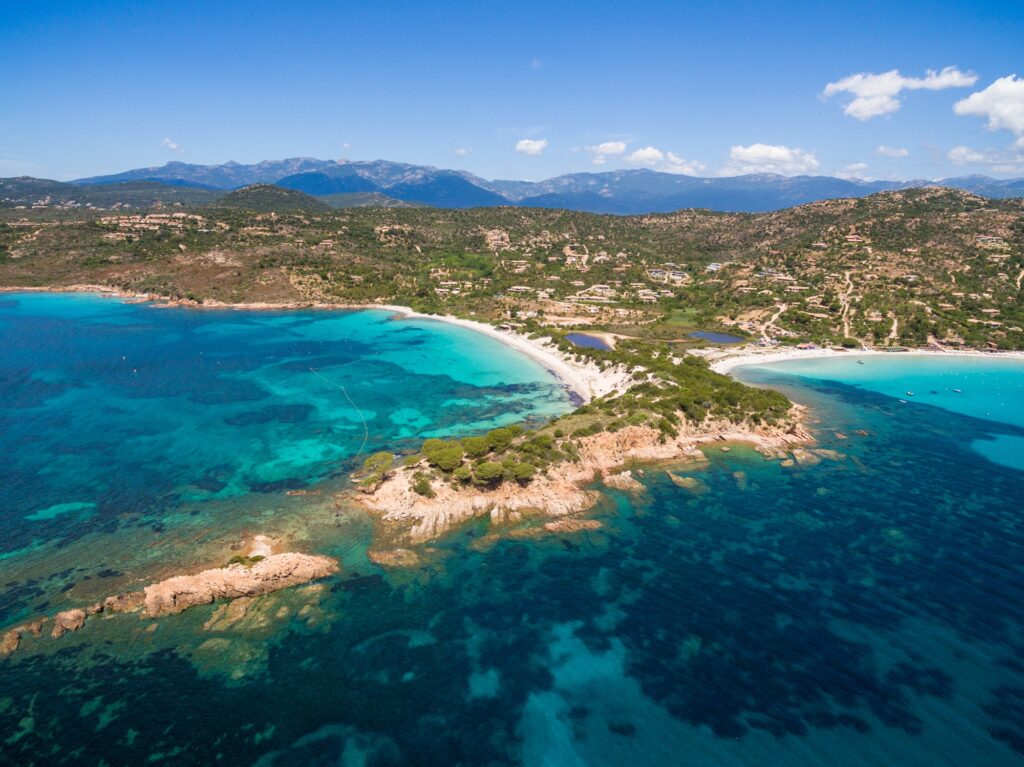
[[124, 603], [9, 642], [69, 620], [278, 571], [623, 481], [275, 572], [572, 525], [393, 557], [559, 492]]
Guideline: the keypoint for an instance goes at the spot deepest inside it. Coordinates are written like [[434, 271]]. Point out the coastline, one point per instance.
[[584, 379], [725, 360], [587, 380], [562, 491]]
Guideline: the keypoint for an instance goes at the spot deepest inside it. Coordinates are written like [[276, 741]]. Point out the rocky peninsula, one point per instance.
[[253, 576], [561, 490]]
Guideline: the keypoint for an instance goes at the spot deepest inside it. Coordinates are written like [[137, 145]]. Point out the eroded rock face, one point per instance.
[[623, 481], [34, 627], [69, 620], [9, 642], [124, 603], [278, 571]]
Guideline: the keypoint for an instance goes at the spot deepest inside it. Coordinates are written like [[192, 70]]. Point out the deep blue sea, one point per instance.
[[864, 610]]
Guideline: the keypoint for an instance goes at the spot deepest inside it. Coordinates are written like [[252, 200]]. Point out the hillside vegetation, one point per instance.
[[897, 268]]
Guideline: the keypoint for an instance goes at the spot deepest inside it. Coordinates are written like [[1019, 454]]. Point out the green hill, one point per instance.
[[365, 200], [26, 191], [267, 198]]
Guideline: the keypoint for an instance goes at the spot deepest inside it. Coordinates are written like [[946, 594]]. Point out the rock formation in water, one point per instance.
[[561, 490], [278, 571], [261, 576], [69, 620]]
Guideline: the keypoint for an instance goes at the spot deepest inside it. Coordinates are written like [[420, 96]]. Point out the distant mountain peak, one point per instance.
[[622, 191]]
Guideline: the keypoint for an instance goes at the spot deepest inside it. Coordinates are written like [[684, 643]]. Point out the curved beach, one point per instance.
[[586, 379], [725, 360]]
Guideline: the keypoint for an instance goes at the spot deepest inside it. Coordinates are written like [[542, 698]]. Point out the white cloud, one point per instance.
[[1002, 103], [602, 151], [646, 156], [876, 94], [168, 144], [891, 151], [532, 146], [676, 164], [768, 158], [1009, 160], [964, 155], [608, 147], [854, 170], [462, 151]]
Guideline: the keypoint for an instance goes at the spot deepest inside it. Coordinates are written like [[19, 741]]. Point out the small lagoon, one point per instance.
[[588, 341], [715, 337]]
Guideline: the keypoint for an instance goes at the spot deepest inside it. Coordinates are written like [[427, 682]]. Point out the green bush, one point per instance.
[[522, 472], [476, 447], [489, 472], [239, 559], [421, 485], [431, 445], [500, 439], [379, 463], [447, 458]]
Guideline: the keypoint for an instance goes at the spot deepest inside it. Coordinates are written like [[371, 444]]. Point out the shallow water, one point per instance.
[[989, 388], [116, 417], [863, 610]]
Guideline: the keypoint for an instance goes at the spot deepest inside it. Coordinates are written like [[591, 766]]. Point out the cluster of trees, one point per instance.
[[484, 460], [668, 391]]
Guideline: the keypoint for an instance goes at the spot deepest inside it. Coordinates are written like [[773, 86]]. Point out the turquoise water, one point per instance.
[[988, 388], [864, 610], [115, 416]]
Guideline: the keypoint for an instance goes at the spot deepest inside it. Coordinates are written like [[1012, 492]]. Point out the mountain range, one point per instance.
[[619, 192]]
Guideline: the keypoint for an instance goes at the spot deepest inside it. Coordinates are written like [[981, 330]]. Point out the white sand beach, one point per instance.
[[724, 360], [584, 378]]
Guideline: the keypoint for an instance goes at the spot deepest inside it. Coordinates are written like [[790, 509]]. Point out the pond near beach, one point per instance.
[[717, 338], [588, 342]]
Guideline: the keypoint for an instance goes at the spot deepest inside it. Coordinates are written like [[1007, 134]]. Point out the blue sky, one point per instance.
[[526, 90]]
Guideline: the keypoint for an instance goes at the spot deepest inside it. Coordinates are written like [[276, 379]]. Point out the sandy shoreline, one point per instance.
[[587, 380], [726, 360]]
